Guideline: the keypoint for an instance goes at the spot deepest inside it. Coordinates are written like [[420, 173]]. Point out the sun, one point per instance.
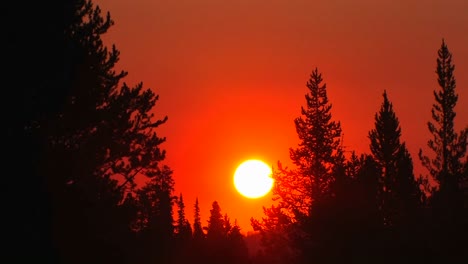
[[253, 179]]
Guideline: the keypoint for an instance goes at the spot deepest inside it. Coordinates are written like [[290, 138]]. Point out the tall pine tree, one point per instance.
[[198, 233], [183, 228], [449, 147], [448, 164], [399, 191], [315, 157], [307, 191], [96, 136]]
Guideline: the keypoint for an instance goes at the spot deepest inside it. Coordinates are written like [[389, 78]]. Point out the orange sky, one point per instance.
[[231, 77]]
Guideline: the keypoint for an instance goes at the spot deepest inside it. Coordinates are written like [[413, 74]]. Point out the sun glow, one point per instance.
[[253, 179]]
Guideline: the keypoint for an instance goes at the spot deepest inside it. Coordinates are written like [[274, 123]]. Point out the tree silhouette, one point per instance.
[[199, 247], [400, 195], [304, 191], [224, 243], [316, 155], [275, 229], [83, 135], [183, 235], [183, 228], [216, 250], [197, 226], [448, 146], [215, 229], [446, 167], [239, 253], [155, 223]]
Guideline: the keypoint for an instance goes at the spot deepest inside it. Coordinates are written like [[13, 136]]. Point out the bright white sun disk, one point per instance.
[[253, 178]]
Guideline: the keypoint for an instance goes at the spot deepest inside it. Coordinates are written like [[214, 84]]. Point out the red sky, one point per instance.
[[231, 77]]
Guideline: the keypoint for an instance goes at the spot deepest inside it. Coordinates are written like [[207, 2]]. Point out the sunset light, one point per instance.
[[235, 132], [253, 179]]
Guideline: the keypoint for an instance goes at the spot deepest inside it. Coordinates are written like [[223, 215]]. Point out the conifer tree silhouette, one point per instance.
[[400, 195], [447, 166], [87, 135]]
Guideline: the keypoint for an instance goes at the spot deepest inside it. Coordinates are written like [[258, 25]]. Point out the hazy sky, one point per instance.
[[231, 77]]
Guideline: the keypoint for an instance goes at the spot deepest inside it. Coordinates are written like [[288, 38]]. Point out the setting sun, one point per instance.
[[253, 179]]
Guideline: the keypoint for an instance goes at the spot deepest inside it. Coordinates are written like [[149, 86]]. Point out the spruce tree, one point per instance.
[[447, 166], [215, 229], [155, 222], [238, 253], [399, 193], [98, 135], [449, 147], [316, 155], [216, 237], [183, 228], [197, 226], [308, 191], [199, 248]]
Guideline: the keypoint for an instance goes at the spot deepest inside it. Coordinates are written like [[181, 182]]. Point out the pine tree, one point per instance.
[[199, 246], [448, 166], [155, 204], [448, 146], [183, 228], [180, 214], [316, 155], [227, 225], [274, 229], [155, 223], [309, 191], [216, 237], [215, 229], [399, 191], [239, 252], [95, 136], [198, 233]]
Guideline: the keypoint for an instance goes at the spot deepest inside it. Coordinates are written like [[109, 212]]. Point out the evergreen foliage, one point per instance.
[[197, 226], [399, 192], [447, 166], [86, 155], [448, 146], [316, 156]]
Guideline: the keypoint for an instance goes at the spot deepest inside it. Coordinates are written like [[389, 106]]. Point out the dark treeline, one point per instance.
[[371, 208], [78, 139]]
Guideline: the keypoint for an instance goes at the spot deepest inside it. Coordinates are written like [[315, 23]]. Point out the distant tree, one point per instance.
[[275, 229], [183, 228], [199, 247], [239, 253], [183, 251], [216, 249], [449, 159], [215, 229], [353, 165], [227, 225], [198, 233], [400, 195], [155, 223]]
